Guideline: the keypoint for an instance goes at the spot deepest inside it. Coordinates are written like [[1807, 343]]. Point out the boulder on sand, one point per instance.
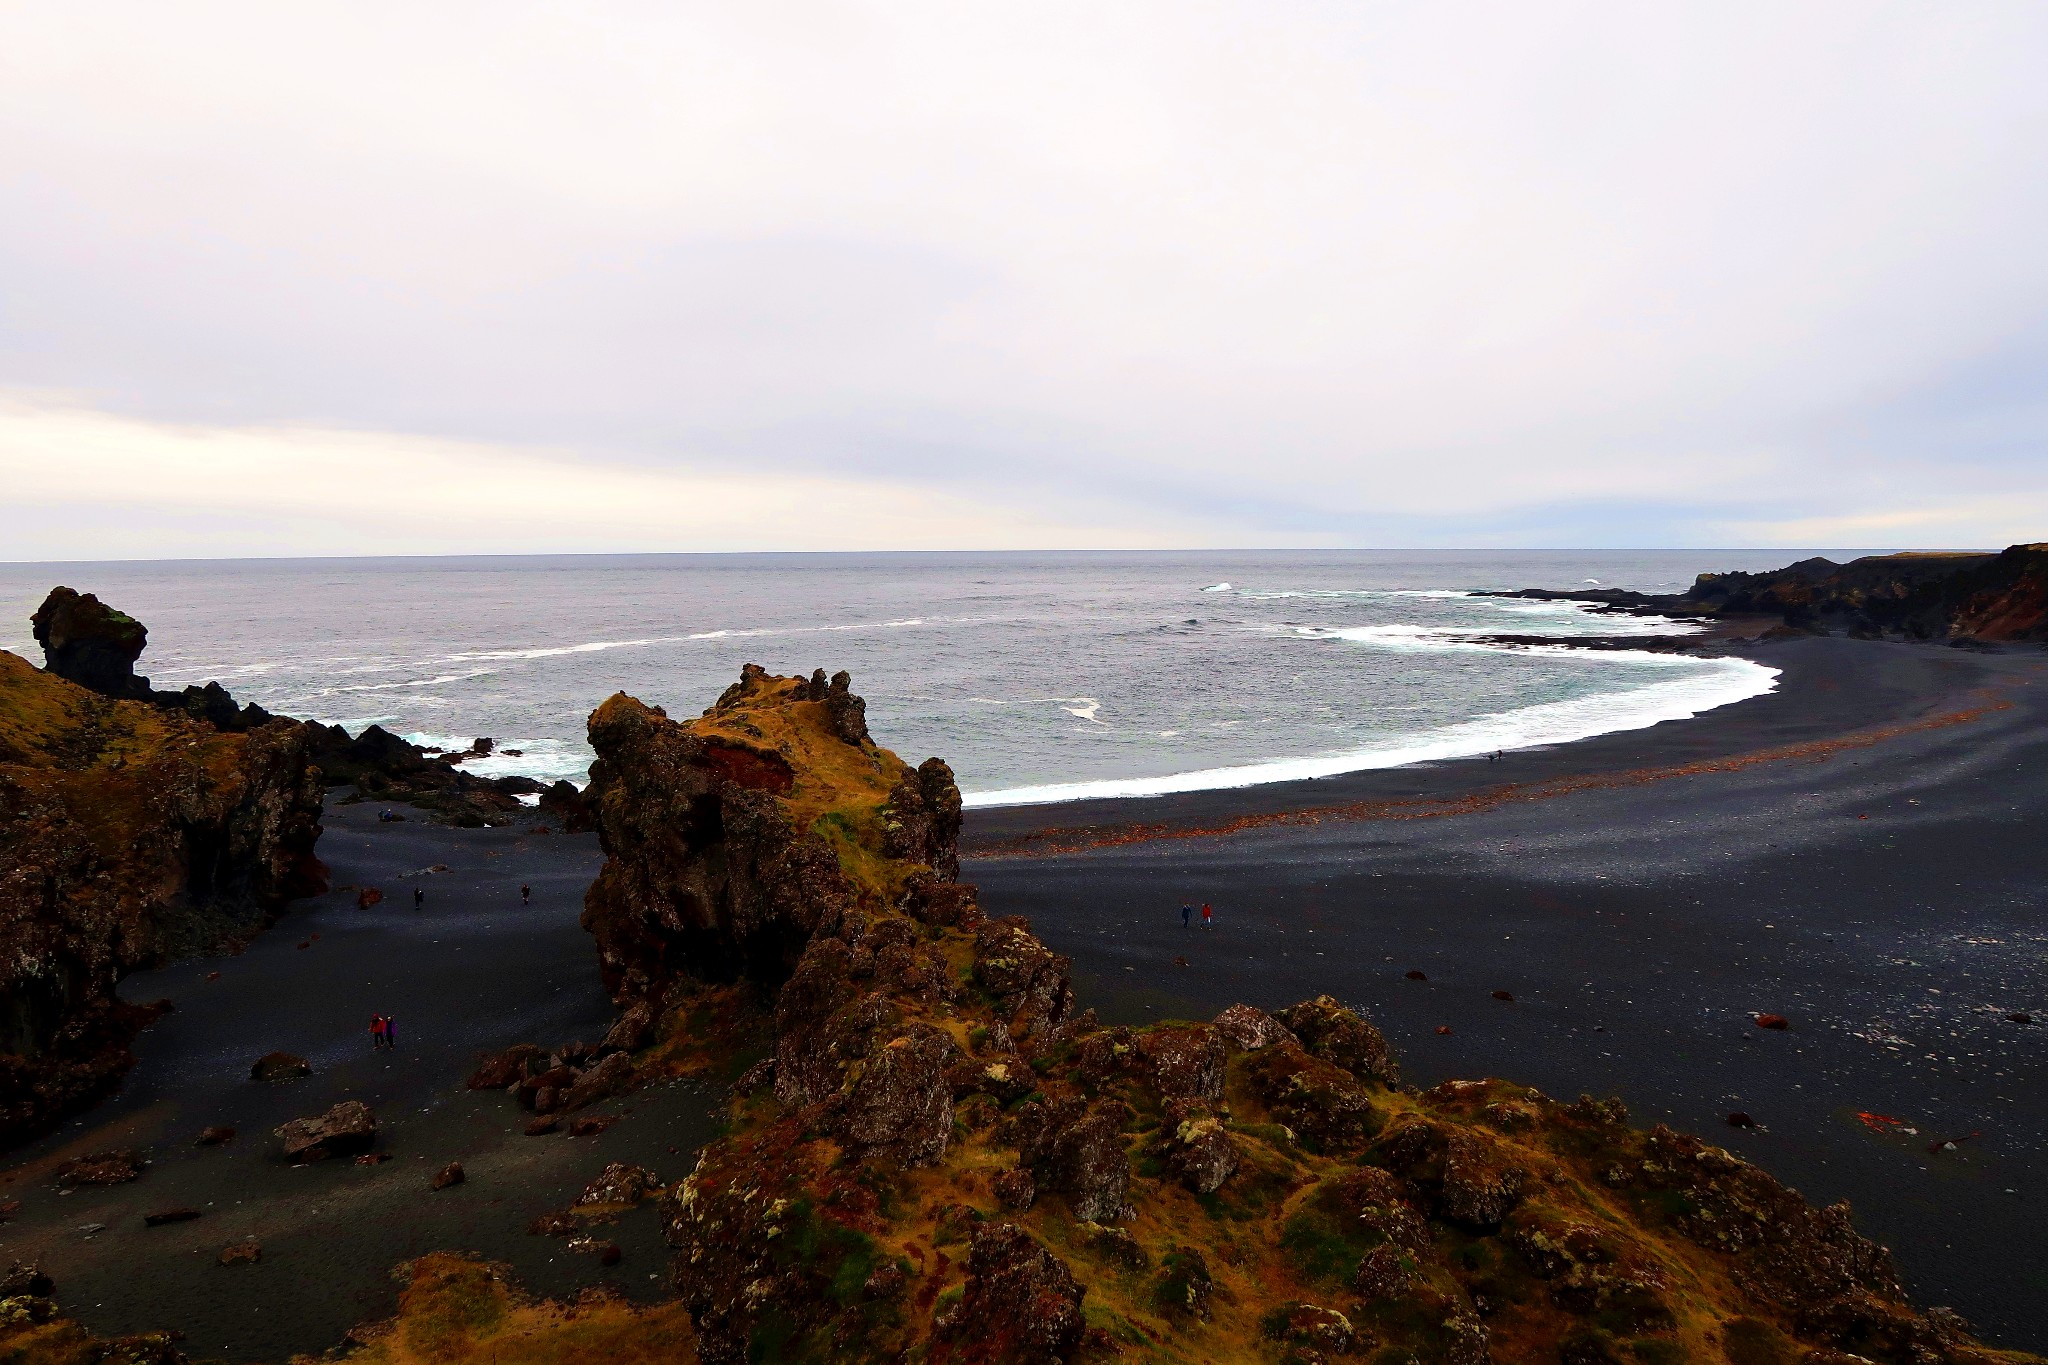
[[280, 1066], [448, 1175], [347, 1128]]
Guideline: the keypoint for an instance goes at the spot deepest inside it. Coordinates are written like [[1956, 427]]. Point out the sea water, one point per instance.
[[1040, 677]]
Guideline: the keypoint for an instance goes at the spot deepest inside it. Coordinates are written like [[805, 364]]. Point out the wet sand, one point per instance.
[[1862, 851], [470, 972]]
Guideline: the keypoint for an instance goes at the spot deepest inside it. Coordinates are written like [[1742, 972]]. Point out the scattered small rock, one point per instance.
[[619, 1184], [451, 1174], [1739, 1119], [373, 1158], [280, 1066], [368, 897], [1179, 961], [592, 1125], [163, 1216], [1772, 1021], [2020, 1017], [1508, 996], [242, 1253], [1413, 975], [1015, 1188], [886, 1283], [26, 1278], [103, 1168], [214, 1137], [8, 1209], [213, 976], [542, 1126], [552, 1225], [1443, 1030]]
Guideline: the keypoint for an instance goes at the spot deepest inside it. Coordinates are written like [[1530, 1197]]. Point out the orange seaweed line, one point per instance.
[[1078, 839]]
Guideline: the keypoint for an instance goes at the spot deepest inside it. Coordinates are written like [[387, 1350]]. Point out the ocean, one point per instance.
[[1039, 676]]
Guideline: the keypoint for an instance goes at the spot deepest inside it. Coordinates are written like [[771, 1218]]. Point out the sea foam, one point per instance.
[[1711, 683]]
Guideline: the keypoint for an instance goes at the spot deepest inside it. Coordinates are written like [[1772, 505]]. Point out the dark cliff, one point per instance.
[[87, 642], [1964, 597], [944, 1160], [129, 834]]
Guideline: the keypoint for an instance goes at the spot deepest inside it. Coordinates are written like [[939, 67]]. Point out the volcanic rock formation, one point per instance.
[[1958, 597], [943, 1160], [129, 834]]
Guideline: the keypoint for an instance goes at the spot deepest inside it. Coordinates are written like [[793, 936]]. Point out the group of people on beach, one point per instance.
[[1187, 916], [382, 1032]]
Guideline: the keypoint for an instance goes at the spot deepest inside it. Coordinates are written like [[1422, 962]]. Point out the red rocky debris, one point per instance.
[[1772, 1021], [1413, 975], [214, 1137], [103, 1168], [242, 1253], [448, 1175], [1508, 996]]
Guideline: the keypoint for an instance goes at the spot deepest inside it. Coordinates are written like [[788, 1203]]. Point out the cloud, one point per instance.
[[1376, 274], [85, 485]]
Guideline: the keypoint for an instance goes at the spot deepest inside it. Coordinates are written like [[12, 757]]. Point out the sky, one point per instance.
[[330, 278]]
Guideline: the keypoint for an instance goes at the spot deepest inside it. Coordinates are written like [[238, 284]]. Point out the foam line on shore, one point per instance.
[[1722, 683]]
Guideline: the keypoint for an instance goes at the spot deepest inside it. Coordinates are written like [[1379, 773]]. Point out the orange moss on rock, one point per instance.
[[128, 835]]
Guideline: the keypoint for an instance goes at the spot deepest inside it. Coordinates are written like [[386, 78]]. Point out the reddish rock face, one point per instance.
[[347, 1128], [1022, 1303]]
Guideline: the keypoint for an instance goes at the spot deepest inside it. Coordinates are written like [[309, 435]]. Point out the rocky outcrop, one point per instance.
[[89, 643], [96, 646], [1257, 1188], [1957, 597], [129, 835]]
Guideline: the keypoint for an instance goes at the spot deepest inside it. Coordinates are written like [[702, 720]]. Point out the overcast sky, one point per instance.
[[404, 278]]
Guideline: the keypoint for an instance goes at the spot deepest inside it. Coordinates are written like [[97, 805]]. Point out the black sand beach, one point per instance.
[[1861, 851], [470, 972]]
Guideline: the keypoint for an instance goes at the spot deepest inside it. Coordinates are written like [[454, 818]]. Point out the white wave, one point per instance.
[[1083, 708], [1217, 587], [553, 651], [599, 646], [1718, 682], [415, 682]]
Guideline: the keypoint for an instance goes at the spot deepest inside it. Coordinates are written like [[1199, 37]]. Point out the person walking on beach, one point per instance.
[[1208, 916], [419, 896], [1187, 915], [376, 1032], [390, 1033], [525, 894]]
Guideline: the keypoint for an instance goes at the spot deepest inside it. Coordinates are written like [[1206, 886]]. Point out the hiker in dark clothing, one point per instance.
[[525, 894], [376, 1031], [1187, 916], [390, 1033], [419, 896]]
